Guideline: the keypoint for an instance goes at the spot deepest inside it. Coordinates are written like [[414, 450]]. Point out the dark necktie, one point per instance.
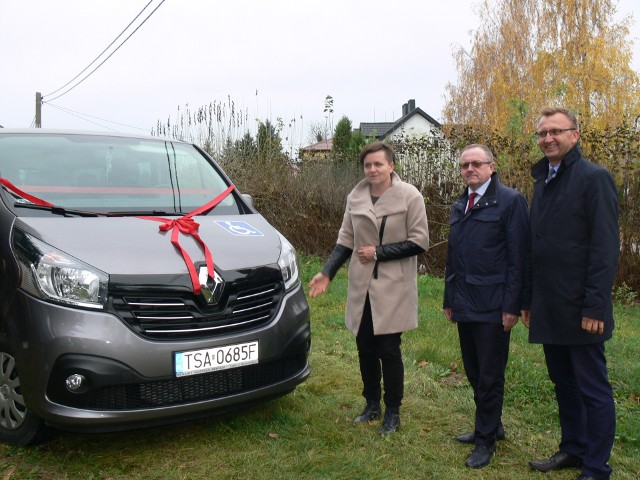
[[472, 197]]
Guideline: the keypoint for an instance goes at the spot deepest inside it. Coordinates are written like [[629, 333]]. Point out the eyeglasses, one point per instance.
[[474, 164], [554, 132]]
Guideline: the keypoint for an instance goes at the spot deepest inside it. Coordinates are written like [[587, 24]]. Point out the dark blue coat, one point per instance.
[[486, 255], [574, 251]]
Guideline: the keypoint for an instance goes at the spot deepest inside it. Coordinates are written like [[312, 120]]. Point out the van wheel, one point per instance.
[[18, 426]]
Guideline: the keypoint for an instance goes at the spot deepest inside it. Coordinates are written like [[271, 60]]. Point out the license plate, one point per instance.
[[219, 358]]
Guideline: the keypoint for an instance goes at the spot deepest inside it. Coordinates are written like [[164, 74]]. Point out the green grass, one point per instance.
[[309, 434]]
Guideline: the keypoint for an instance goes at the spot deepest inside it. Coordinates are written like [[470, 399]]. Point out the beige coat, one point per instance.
[[394, 294]]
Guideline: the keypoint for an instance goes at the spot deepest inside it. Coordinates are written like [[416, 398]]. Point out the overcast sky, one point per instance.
[[276, 58]]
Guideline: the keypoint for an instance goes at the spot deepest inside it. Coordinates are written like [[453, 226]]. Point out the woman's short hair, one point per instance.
[[376, 147]]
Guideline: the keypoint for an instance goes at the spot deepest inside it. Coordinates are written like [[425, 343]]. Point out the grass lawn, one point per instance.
[[309, 434]]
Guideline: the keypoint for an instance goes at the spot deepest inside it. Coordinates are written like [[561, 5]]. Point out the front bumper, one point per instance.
[[131, 380]]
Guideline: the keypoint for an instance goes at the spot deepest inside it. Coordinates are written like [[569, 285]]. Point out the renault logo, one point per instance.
[[211, 288]]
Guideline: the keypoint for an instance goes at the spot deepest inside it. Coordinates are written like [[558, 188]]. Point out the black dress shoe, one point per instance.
[[391, 421], [480, 456], [557, 461], [585, 477], [372, 411], [470, 437]]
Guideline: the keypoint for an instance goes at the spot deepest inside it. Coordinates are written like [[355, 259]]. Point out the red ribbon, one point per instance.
[[188, 226], [23, 194], [185, 225]]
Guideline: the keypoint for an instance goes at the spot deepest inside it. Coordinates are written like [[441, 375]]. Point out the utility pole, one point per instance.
[[38, 110]]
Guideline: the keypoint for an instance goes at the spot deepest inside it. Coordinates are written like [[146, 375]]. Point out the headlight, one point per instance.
[[51, 274], [288, 263]]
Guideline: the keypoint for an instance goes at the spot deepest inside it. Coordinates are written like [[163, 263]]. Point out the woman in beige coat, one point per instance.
[[383, 229]]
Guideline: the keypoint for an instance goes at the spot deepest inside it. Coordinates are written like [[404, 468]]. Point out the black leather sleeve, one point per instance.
[[337, 258], [398, 250]]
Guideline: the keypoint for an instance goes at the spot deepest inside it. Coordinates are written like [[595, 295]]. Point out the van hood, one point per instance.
[[137, 246]]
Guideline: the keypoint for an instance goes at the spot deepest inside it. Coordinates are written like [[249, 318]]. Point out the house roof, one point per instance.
[[416, 111], [377, 128], [382, 129], [323, 146]]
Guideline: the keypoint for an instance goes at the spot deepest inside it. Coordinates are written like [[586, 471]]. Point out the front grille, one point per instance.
[[196, 388], [162, 315]]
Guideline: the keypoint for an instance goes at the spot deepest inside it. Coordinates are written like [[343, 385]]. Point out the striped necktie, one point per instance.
[[551, 175]]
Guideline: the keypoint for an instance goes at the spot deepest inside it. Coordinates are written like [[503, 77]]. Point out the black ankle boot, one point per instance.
[[371, 412], [391, 421]]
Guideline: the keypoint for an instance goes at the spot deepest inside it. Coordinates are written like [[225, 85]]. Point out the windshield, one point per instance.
[[112, 174]]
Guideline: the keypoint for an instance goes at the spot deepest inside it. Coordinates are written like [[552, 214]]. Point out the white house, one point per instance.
[[423, 154], [414, 122]]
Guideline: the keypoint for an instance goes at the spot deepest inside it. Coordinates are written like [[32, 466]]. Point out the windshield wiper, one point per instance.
[[143, 213], [56, 210]]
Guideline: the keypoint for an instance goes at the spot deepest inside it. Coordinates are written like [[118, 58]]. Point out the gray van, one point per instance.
[[137, 287]]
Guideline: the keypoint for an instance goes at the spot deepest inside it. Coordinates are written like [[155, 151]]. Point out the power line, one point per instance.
[[103, 51], [82, 115], [78, 116], [102, 63]]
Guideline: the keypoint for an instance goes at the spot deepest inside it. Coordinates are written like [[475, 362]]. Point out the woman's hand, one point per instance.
[[318, 284], [365, 254]]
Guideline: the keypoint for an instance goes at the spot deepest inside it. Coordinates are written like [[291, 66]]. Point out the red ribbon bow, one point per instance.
[[188, 226], [185, 225]]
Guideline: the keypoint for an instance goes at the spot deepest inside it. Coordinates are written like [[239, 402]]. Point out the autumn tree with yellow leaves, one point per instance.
[[528, 54]]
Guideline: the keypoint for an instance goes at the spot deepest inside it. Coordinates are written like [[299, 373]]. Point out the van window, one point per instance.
[[113, 174]]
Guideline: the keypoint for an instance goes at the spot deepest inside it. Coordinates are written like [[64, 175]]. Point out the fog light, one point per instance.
[[75, 381]]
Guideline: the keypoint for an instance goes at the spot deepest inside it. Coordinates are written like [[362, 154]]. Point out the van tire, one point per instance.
[[18, 426]]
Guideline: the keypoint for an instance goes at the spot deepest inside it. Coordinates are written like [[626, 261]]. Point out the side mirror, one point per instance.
[[248, 198]]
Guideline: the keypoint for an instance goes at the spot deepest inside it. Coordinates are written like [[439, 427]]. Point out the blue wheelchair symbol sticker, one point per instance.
[[239, 228]]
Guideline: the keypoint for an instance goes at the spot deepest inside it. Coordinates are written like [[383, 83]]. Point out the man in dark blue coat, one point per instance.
[[489, 228], [574, 254]]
